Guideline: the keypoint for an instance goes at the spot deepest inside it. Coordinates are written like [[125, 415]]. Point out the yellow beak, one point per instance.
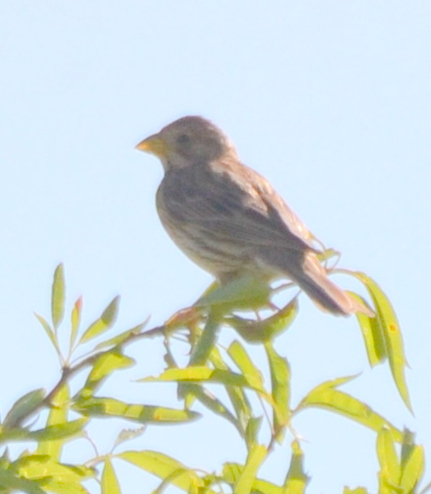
[[154, 145]]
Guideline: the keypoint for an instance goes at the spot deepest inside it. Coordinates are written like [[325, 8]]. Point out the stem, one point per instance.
[[69, 372]]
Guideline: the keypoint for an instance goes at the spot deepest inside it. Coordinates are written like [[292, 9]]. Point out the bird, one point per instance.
[[228, 218]]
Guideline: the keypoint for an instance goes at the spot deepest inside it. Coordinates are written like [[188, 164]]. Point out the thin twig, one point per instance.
[[69, 372]]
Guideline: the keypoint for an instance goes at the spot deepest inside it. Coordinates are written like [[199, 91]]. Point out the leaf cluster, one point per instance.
[[260, 426]]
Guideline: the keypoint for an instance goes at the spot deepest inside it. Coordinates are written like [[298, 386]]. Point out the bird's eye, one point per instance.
[[183, 139]]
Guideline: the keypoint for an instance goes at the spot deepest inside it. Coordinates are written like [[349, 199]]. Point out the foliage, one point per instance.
[[67, 415]]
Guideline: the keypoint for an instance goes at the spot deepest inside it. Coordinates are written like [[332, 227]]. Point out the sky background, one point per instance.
[[331, 101]]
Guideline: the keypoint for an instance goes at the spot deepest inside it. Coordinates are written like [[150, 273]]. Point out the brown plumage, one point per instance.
[[229, 220]]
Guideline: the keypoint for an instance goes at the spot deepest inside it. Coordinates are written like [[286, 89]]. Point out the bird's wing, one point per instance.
[[241, 206]]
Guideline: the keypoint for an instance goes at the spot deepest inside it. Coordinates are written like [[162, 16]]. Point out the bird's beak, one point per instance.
[[154, 145]]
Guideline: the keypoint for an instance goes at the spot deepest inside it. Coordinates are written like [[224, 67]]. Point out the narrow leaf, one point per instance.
[[413, 471], [214, 404], [232, 473], [75, 319], [164, 467], [57, 297], [58, 431], [110, 484], [239, 355], [23, 406], [122, 337], [327, 397], [50, 433], [296, 479], [207, 339], [48, 330], [36, 466], [392, 335], [280, 383], [389, 464], [105, 364], [144, 414], [252, 431], [69, 488], [236, 394], [255, 458], [205, 375], [105, 321], [57, 415], [372, 333], [12, 482], [407, 446], [258, 331], [412, 463], [247, 292]]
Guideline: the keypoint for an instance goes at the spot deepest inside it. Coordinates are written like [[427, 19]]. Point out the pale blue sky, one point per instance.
[[331, 101]]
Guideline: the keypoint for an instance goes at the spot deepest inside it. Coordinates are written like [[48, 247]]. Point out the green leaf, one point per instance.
[[232, 472], [12, 482], [390, 470], [236, 395], [69, 488], [105, 321], [50, 433], [57, 415], [204, 375], [214, 404], [280, 383], [392, 335], [55, 477], [23, 406], [32, 465], [59, 431], [122, 337], [258, 331], [110, 484], [407, 446], [372, 333], [75, 319], [57, 297], [239, 355], [201, 374], [247, 292], [48, 330], [207, 339], [412, 463], [296, 479], [144, 414], [327, 397], [413, 471], [252, 431], [105, 364], [255, 458], [164, 467]]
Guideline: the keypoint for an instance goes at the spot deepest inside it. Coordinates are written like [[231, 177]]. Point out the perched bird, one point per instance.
[[229, 220]]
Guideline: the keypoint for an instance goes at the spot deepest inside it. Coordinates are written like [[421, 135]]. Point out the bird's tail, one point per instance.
[[313, 279]]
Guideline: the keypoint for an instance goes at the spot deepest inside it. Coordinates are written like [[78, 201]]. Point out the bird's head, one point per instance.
[[188, 141]]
